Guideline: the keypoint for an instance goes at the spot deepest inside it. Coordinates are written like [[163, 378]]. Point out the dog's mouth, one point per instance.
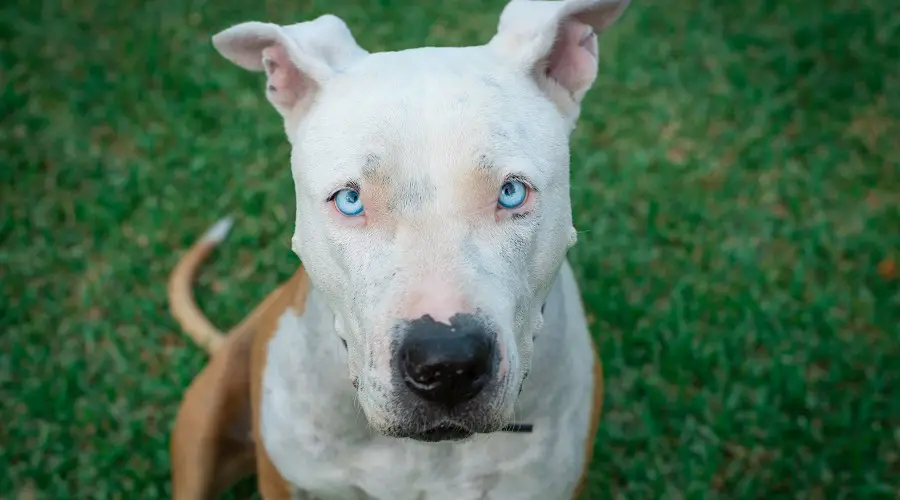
[[443, 432], [455, 432]]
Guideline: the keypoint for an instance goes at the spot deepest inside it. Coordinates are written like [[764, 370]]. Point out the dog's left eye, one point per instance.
[[348, 203], [513, 194]]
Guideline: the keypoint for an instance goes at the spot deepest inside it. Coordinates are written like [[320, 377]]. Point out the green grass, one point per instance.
[[736, 182]]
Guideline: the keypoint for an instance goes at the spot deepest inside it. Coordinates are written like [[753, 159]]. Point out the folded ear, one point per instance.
[[297, 59], [556, 41]]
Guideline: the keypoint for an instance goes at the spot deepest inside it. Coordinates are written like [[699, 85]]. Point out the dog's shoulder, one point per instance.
[[253, 333], [215, 438], [292, 295]]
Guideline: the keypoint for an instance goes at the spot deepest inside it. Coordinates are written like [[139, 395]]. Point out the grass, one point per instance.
[[736, 182]]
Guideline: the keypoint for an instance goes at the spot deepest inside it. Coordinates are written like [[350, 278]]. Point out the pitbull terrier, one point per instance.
[[434, 308]]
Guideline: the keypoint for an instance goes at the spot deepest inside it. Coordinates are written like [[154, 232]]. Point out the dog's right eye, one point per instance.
[[347, 202]]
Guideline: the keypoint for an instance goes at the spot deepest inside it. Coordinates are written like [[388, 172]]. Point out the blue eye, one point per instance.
[[348, 203], [513, 194]]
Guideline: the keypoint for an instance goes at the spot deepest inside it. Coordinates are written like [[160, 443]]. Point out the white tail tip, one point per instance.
[[219, 231]]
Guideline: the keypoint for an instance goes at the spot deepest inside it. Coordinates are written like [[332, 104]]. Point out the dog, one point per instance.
[[434, 313]]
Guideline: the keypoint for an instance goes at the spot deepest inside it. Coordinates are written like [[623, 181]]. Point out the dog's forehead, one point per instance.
[[427, 116]]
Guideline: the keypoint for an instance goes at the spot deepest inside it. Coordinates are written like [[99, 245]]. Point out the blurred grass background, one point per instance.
[[736, 178]]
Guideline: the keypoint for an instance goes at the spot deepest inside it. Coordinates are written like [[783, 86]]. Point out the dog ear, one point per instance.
[[556, 42], [297, 59]]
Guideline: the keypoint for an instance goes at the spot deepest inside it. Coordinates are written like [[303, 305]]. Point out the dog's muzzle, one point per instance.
[[447, 365], [448, 374]]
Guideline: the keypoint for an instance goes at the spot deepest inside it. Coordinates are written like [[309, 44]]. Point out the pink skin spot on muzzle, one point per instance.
[[442, 299], [503, 369], [437, 297]]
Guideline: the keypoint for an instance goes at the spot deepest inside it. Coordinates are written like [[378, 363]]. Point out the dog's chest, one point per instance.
[[349, 466], [377, 469], [318, 438]]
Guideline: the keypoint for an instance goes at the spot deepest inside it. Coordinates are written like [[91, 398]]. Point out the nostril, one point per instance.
[[427, 375]]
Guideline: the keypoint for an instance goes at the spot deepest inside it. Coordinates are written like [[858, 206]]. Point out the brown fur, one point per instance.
[[596, 410], [271, 485], [215, 441]]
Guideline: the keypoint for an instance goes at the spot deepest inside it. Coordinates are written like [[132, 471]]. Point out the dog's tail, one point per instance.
[[181, 294]]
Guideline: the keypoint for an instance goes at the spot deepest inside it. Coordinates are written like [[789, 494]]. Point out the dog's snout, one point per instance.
[[447, 364]]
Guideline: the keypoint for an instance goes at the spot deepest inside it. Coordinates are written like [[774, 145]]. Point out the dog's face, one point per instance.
[[432, 191]]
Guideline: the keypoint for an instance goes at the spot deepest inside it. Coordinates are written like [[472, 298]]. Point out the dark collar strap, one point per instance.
[[517, 427]]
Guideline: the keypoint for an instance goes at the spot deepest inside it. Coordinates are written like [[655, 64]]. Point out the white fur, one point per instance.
[[430, 135], [218, 231], [315, 433]]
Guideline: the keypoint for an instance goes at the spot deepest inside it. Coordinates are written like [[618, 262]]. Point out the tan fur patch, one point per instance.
[[478, 191], [207, 454], [272, 485], [215, 439], [596, 410]]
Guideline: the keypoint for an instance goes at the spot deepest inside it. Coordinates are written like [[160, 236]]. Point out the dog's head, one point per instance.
[[432, 190]]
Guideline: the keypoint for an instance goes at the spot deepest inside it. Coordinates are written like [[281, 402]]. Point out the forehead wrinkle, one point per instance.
[[484, 163], [410, 195], [373, 171], [397, 189], [370, 162]]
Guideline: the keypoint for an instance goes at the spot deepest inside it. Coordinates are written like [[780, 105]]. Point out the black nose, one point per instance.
[[447, 364]]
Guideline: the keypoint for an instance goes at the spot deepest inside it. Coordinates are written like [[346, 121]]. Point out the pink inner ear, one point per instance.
[[285, 83], [573, 60]]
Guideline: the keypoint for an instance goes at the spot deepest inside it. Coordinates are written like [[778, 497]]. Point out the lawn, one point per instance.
[[736, 182]]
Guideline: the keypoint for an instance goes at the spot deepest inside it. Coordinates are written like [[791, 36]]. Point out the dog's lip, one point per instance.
[[443, 432]]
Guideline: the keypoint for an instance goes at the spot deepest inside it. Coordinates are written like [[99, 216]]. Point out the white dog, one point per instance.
[[433, 219]]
